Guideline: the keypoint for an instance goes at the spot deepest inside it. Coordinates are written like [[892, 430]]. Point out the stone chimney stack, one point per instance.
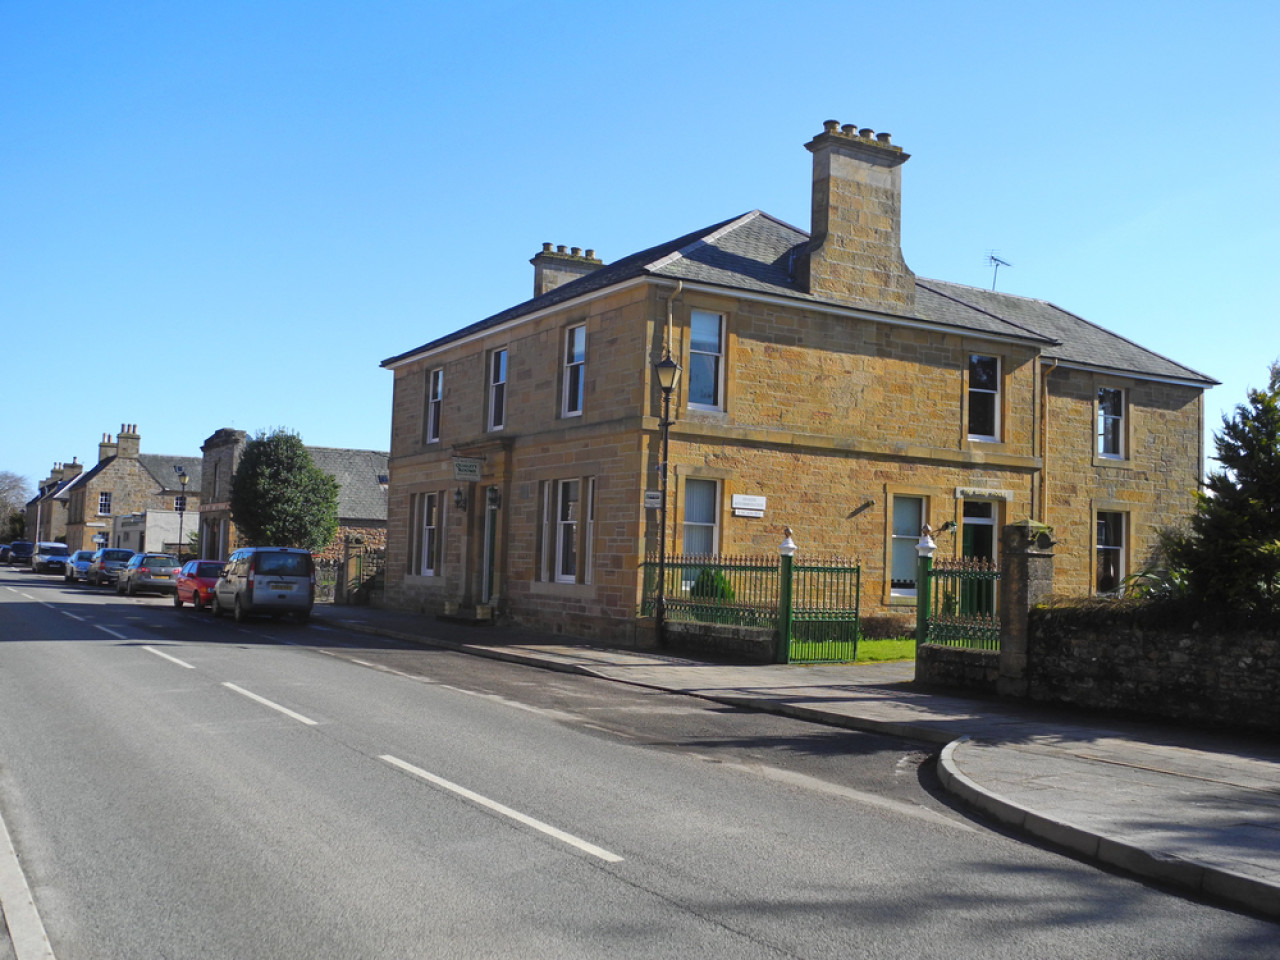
[[128, 442], [555, 267], [855, 245], [72, 470], [106, 448]]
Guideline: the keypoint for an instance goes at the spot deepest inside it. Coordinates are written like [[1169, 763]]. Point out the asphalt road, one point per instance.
[[180, 787]]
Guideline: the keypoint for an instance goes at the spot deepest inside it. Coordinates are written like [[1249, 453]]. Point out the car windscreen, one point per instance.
[[83, 556], [160, 562], [210, 570], [116, 554], [284, 564], [56, 551]]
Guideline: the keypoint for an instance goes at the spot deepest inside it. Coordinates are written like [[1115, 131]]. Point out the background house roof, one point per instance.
[[757, 253], [362, 495], [161, 468]]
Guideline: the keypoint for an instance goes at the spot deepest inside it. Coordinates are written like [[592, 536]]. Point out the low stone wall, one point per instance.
[[957, 668], [751, 644], [1118, 662]]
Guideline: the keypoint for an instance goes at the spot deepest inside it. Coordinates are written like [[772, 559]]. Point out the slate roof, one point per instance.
[[361, 496], [757, 253], [161, 468]]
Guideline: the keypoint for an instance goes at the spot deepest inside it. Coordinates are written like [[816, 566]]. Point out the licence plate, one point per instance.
[[280, 586], [161, 576]]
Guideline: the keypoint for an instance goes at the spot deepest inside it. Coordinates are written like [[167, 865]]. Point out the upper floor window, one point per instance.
[[1109, 563], [984, 397], [104, 502], [701, 529], [435, 397], [706, 360], [575, 369], [497, 389], [1111, 423]]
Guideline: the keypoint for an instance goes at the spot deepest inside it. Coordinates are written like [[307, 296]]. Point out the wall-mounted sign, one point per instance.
[[743, 502], [980, 493], [653, 499], [467, 468]]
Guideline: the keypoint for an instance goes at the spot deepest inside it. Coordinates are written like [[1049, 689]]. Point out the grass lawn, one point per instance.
[[876, 651]]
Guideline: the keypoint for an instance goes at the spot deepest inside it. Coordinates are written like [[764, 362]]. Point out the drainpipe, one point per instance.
[[1044, 442], [670, 300]]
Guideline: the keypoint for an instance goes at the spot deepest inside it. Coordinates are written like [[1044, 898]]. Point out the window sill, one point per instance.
[[552, 588]]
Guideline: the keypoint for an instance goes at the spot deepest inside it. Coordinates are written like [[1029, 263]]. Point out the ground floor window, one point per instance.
[[568, 518], [1110, 551], [908, 519], [425, 515], [701, 527]]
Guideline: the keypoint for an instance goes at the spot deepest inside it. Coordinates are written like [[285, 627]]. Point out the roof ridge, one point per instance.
[[994, 316]]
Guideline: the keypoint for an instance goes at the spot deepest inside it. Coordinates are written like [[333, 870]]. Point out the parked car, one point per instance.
[[50, 557], [78, 566], [20, 551], [4, 553], [195, 582], [106, 565], [148, 571], [270, 580]]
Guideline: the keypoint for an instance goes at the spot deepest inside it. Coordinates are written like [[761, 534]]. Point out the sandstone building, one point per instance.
[[123, 481], [823, 387]]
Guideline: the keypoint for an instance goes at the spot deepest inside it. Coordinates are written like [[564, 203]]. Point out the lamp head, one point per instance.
[[668, 373]]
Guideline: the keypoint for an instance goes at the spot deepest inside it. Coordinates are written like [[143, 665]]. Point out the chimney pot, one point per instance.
[[546, 248], [591, 254], [849, 129], [576, 251], [562, 249], [865, 133], [882, 137], [830, 126]]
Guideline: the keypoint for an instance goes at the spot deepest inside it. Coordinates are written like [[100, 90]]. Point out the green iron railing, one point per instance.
[[962, 605], [742, 591], [825, 600], [819, 603]]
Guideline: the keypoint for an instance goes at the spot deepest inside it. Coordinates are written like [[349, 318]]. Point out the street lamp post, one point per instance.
[[668, 372], [182, 503]]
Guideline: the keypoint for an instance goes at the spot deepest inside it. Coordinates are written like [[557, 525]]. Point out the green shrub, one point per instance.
[[712, 584]]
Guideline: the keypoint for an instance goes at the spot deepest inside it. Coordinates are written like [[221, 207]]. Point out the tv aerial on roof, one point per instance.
[[995, 263]]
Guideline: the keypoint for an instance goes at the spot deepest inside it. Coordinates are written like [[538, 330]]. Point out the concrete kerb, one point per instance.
[[1224, 886]]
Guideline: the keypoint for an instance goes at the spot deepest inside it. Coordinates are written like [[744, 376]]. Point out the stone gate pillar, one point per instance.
[[1026, 578]]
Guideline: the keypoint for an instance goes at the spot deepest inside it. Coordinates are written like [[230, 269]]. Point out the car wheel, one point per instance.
[[119, 588], [177, 600], [215, 607], [196, 603], [239, 613]]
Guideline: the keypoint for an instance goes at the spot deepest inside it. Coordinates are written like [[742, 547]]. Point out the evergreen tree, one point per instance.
[[280, 498], [1232, 555]]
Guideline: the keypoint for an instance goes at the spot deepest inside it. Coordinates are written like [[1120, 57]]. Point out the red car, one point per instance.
[[195, 582]]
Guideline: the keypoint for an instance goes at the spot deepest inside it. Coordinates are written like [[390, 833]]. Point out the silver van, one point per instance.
[[270, 580]]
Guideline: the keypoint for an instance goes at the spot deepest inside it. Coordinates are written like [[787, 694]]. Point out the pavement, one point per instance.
[[1195, 810]]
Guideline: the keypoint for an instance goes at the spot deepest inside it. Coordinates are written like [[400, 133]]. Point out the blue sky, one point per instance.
[[227, 214]]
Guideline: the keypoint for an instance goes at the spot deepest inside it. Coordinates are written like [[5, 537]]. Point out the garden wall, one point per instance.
[[1115, 661]]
